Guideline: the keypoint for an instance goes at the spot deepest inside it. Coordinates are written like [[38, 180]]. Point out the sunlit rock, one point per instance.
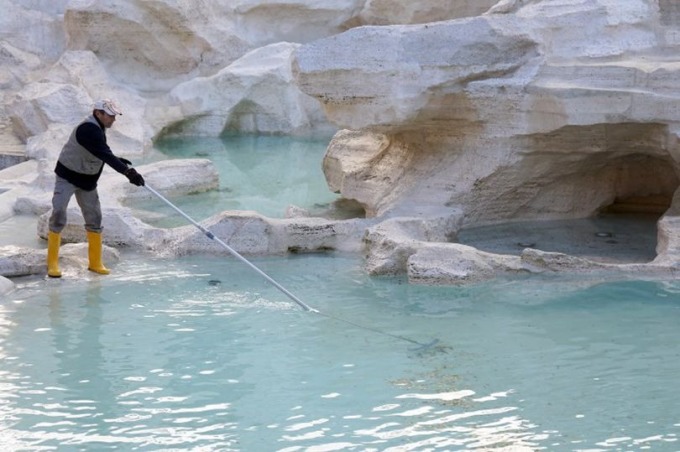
[[154, 45], [305, 235], [137, 52], [407, 77], [369, 168], [15, 64], [517, 130]]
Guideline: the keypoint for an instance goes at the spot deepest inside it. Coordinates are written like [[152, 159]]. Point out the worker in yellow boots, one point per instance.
[[79, 166]]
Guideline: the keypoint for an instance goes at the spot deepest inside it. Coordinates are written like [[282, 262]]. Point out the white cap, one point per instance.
[[108, 106]]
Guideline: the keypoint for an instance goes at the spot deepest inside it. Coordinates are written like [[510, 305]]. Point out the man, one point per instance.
[[79, 166]]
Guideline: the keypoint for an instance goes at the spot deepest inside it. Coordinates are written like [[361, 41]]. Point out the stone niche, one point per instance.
[[619, 172], [578, 172]]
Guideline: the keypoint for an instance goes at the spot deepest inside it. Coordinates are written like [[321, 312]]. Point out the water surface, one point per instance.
[[266, 174], [202, 354]]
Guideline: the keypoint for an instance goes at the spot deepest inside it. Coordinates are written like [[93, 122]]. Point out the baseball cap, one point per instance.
[[108, 106]]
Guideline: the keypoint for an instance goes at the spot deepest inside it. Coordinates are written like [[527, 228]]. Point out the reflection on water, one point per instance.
[[201, 354]]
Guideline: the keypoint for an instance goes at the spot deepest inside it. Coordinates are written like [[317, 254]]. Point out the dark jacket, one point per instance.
[[82, 158]]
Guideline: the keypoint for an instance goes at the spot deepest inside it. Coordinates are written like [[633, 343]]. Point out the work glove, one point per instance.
[[134, 177]]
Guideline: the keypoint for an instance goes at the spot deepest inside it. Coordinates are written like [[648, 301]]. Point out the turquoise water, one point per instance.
[[202, 354], [261, 173]]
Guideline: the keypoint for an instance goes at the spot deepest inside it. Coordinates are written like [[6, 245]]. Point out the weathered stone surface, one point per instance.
[[73, 260], [319, 234], [253, 94], [41, 104], [295, 21], [668, 244], [366, 167], [152, 45], [249, 233], [394, 12], [33, 28], [480, 113], [391, 243], [15, 182], [456, 264], [550, 120], [121, 227], [138, 52], [405, 77]]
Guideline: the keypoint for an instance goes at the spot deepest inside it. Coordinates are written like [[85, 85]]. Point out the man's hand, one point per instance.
[[134, 177]]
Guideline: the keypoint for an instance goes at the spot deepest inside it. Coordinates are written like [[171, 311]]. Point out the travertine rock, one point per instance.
[[73, 260], [521, 114], [394, 12], [456, 264], [391, 243], [253, 94], [479, 113], [294, 21]]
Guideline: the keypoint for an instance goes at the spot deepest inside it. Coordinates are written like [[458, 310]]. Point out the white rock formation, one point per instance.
[[73, 260], [57, 58], [182, 67], [153, 46], [245, 232], [254, 94], [266, 22], [394, 12], [452, 114], [524, 113]]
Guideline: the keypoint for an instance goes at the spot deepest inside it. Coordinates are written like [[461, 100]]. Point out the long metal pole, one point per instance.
[[210, 235], [303, 305]]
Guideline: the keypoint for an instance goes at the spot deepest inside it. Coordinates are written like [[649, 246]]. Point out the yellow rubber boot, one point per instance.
[[94, 252], [53, 243]]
